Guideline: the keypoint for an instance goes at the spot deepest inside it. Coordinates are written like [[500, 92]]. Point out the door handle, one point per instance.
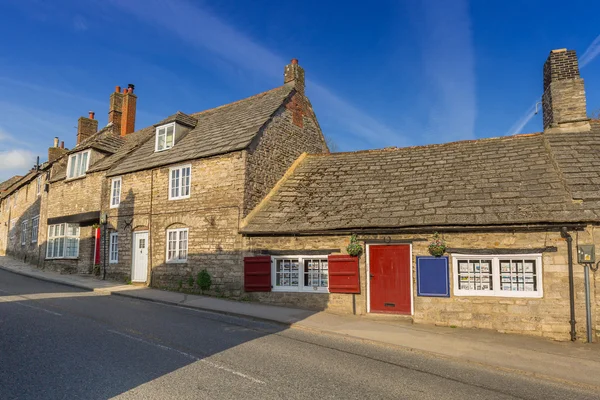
[[372, 276]]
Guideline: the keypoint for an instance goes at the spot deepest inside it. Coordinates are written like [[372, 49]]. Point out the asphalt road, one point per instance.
[[57, 342]]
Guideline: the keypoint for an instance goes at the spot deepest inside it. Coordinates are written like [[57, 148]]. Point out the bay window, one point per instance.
[[498, 275], [63, 241]]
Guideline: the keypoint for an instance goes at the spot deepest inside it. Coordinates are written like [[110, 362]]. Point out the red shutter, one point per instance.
[[257, 274], [343, 274]]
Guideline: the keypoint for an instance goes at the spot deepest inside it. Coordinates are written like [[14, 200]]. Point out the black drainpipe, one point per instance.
[[565, 234]]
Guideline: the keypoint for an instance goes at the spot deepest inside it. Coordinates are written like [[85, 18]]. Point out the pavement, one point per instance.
[[576, 363]]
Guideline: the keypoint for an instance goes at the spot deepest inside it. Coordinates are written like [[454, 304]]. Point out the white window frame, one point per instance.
[[79, 169], [496, 275], [177, 250], [38, 185], [113, 248], [35, 228], [180, 181], [53, 238], [300, 287], [24, 233], [161, 131], [115, 198]]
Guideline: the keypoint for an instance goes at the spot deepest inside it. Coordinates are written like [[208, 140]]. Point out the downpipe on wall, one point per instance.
[[565, 234]]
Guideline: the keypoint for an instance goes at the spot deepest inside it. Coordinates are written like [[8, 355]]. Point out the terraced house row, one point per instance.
[[250, 192]]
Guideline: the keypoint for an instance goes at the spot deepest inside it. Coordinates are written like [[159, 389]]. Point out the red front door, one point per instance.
[[390, 278]]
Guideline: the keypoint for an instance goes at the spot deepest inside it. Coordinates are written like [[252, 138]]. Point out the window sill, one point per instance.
[[282, 290], [113, 262], [112, 207], [75, 178], [160, 151], [62, 258], [177, 261], [179, 198], [509, 295]]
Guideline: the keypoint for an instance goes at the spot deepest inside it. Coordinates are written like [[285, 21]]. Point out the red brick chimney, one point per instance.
[[86, 127], [129, 110]]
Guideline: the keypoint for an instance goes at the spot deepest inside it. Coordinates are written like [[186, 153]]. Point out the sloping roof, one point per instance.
[[104, 140], [181, 118], [17, 183], [219, 130], [9, 182], [499, 181], [132, 141]]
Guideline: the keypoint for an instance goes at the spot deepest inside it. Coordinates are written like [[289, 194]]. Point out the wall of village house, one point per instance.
[[211, 214], [277, 147], [69, 197], [27, 206], [547, 316]]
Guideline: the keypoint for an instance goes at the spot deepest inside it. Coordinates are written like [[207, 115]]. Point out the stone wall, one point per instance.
[[292, 131], [547, 316], [211, 213], [27, 207]]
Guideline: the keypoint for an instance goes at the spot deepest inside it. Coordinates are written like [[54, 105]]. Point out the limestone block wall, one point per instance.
[[292, 131], [547, 316], [68, 197], [27, 206], [211, 213]]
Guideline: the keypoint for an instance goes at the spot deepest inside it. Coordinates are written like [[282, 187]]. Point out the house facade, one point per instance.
[[508, 209], [249, 192]]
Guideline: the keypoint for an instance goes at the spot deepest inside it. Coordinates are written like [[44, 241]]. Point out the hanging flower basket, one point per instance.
[[437, 247], [354, 248]]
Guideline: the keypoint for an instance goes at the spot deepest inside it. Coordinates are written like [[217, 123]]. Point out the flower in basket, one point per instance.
[[438, 246], [354, 248]]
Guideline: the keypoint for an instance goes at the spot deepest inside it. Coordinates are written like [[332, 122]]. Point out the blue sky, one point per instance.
[[379, 73]]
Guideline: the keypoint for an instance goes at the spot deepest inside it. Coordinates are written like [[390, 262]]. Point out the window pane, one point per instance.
[[169, 137], [183, 244], [84, 158], [175, 183], [72, 165], [518, 275], [185, 181], [50, 248], [475, 275], [160, 137]]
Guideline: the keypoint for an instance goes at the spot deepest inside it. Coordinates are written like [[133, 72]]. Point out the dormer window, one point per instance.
[[165, 137], [78, 164]]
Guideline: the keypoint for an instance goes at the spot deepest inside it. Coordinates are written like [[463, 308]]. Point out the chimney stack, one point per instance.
[[55, 152], [115, 110], [129, 110], [563, 102], [86, 127], [294, 73]]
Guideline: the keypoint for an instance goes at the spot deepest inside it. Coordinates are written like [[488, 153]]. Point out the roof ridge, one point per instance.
[[394, 148], [238, 101]]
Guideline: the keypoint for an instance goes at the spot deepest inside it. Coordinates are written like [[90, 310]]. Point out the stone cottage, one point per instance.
[[508, 208]]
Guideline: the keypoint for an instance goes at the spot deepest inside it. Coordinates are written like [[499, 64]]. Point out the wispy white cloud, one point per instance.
[[198, 27], [449, 64], [79, 23], [17, 159], [592, 51]]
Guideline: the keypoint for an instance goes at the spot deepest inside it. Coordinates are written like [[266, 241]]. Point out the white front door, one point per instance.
[[139, 270]]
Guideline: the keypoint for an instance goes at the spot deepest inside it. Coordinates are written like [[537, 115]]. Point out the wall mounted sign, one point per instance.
[[433, 276]]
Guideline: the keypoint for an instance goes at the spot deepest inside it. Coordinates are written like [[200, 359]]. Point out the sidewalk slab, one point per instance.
[[564, 361]]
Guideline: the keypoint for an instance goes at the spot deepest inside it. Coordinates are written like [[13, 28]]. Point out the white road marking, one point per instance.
[[190, 356], [19, 302]]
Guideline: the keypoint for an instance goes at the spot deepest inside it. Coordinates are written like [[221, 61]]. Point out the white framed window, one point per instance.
[[510, 275], [23, 233], [38, 185], [35, 226], [63, 241], [113, 257], [165, 137], [115, 192], [179, 182], [78, 164], [177, 245], [300, 274]]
